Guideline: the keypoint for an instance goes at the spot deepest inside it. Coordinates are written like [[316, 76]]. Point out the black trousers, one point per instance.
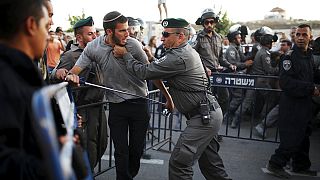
[[299, 155], [129, 116]]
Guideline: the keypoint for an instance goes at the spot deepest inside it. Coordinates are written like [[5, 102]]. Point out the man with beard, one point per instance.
[[126, 112], [208, 44], [295, 107]]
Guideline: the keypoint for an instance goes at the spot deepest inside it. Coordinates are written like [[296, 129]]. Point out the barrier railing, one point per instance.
[[161, 128], [250, 85]]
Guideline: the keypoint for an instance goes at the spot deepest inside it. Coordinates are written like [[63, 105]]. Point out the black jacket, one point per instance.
[[20, 155], [297, 82]]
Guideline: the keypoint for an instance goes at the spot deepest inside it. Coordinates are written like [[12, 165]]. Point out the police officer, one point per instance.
[[188, 84], [208, 44], [95, 121], [261, 66], [257, 36], [265, 65], [235, 56], [295, 107], [243, 29]]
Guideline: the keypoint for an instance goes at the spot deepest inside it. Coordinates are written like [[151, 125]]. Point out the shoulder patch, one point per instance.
[[232, 53], [268, 60], [286, 64], [160, 60]]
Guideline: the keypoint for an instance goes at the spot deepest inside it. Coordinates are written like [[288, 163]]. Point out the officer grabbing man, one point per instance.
[[188, 85]]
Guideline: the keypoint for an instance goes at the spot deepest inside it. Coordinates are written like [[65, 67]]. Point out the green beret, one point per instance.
[[174, 23], [84, 22]]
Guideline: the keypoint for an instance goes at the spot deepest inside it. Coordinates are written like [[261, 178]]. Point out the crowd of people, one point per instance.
[[34, 56]]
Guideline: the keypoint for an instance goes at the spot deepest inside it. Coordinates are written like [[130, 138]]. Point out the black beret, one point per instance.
[[174, 23], [84, 22]]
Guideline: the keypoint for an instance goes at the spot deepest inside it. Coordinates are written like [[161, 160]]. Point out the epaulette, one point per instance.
[[200, 34]]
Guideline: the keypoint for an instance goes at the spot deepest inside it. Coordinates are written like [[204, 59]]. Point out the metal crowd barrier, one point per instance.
[[161, 128], [158, 136], [245, 82]]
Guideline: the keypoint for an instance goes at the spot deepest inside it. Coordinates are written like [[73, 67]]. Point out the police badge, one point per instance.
[[286, 64], [232, 54], [268, 60]]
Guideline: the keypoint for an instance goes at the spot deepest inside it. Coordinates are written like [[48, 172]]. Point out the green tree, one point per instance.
[[74, 19], [224, 24]]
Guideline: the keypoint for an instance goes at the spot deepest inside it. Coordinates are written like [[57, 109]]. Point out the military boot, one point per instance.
[[278, 172]]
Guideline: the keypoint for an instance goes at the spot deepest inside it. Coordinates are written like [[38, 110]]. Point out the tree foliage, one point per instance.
[[73, 19], [224, 24]]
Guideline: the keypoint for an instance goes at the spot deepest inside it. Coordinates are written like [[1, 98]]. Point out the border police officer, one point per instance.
[[208, 44], [187, 81], [234, 55], [295, 107]]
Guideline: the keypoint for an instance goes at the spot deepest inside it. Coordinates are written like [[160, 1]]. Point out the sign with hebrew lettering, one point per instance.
[[233, 80]]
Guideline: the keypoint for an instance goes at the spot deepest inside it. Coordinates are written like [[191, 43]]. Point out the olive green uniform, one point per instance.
[[187, 82]]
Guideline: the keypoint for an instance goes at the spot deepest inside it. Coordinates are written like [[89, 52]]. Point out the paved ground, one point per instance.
[[243, 160]]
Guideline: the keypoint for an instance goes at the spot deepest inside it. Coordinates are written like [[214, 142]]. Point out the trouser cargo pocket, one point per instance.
[[185, 155]]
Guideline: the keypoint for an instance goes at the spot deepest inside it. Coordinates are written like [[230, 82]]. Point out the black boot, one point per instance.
[[278, 172]]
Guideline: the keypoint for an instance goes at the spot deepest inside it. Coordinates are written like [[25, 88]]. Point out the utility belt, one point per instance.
[[204, 110]]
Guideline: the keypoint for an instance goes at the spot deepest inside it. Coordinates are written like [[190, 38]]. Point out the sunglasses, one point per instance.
[[167, 34], [207, 22]]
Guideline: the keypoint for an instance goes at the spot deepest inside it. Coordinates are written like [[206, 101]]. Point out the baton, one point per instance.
[[118, 91]]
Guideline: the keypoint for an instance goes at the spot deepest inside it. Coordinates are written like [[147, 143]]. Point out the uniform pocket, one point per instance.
[[205, 45], [185, 155]]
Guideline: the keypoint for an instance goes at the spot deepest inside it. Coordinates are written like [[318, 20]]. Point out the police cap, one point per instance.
[[84, 22], [174, 23]]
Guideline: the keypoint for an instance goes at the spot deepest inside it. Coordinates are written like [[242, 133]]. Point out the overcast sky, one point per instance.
[[187, 9]]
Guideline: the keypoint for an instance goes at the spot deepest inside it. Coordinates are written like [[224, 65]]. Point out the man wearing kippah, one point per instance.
[[127, 113], [94, 117], [188, 85]]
